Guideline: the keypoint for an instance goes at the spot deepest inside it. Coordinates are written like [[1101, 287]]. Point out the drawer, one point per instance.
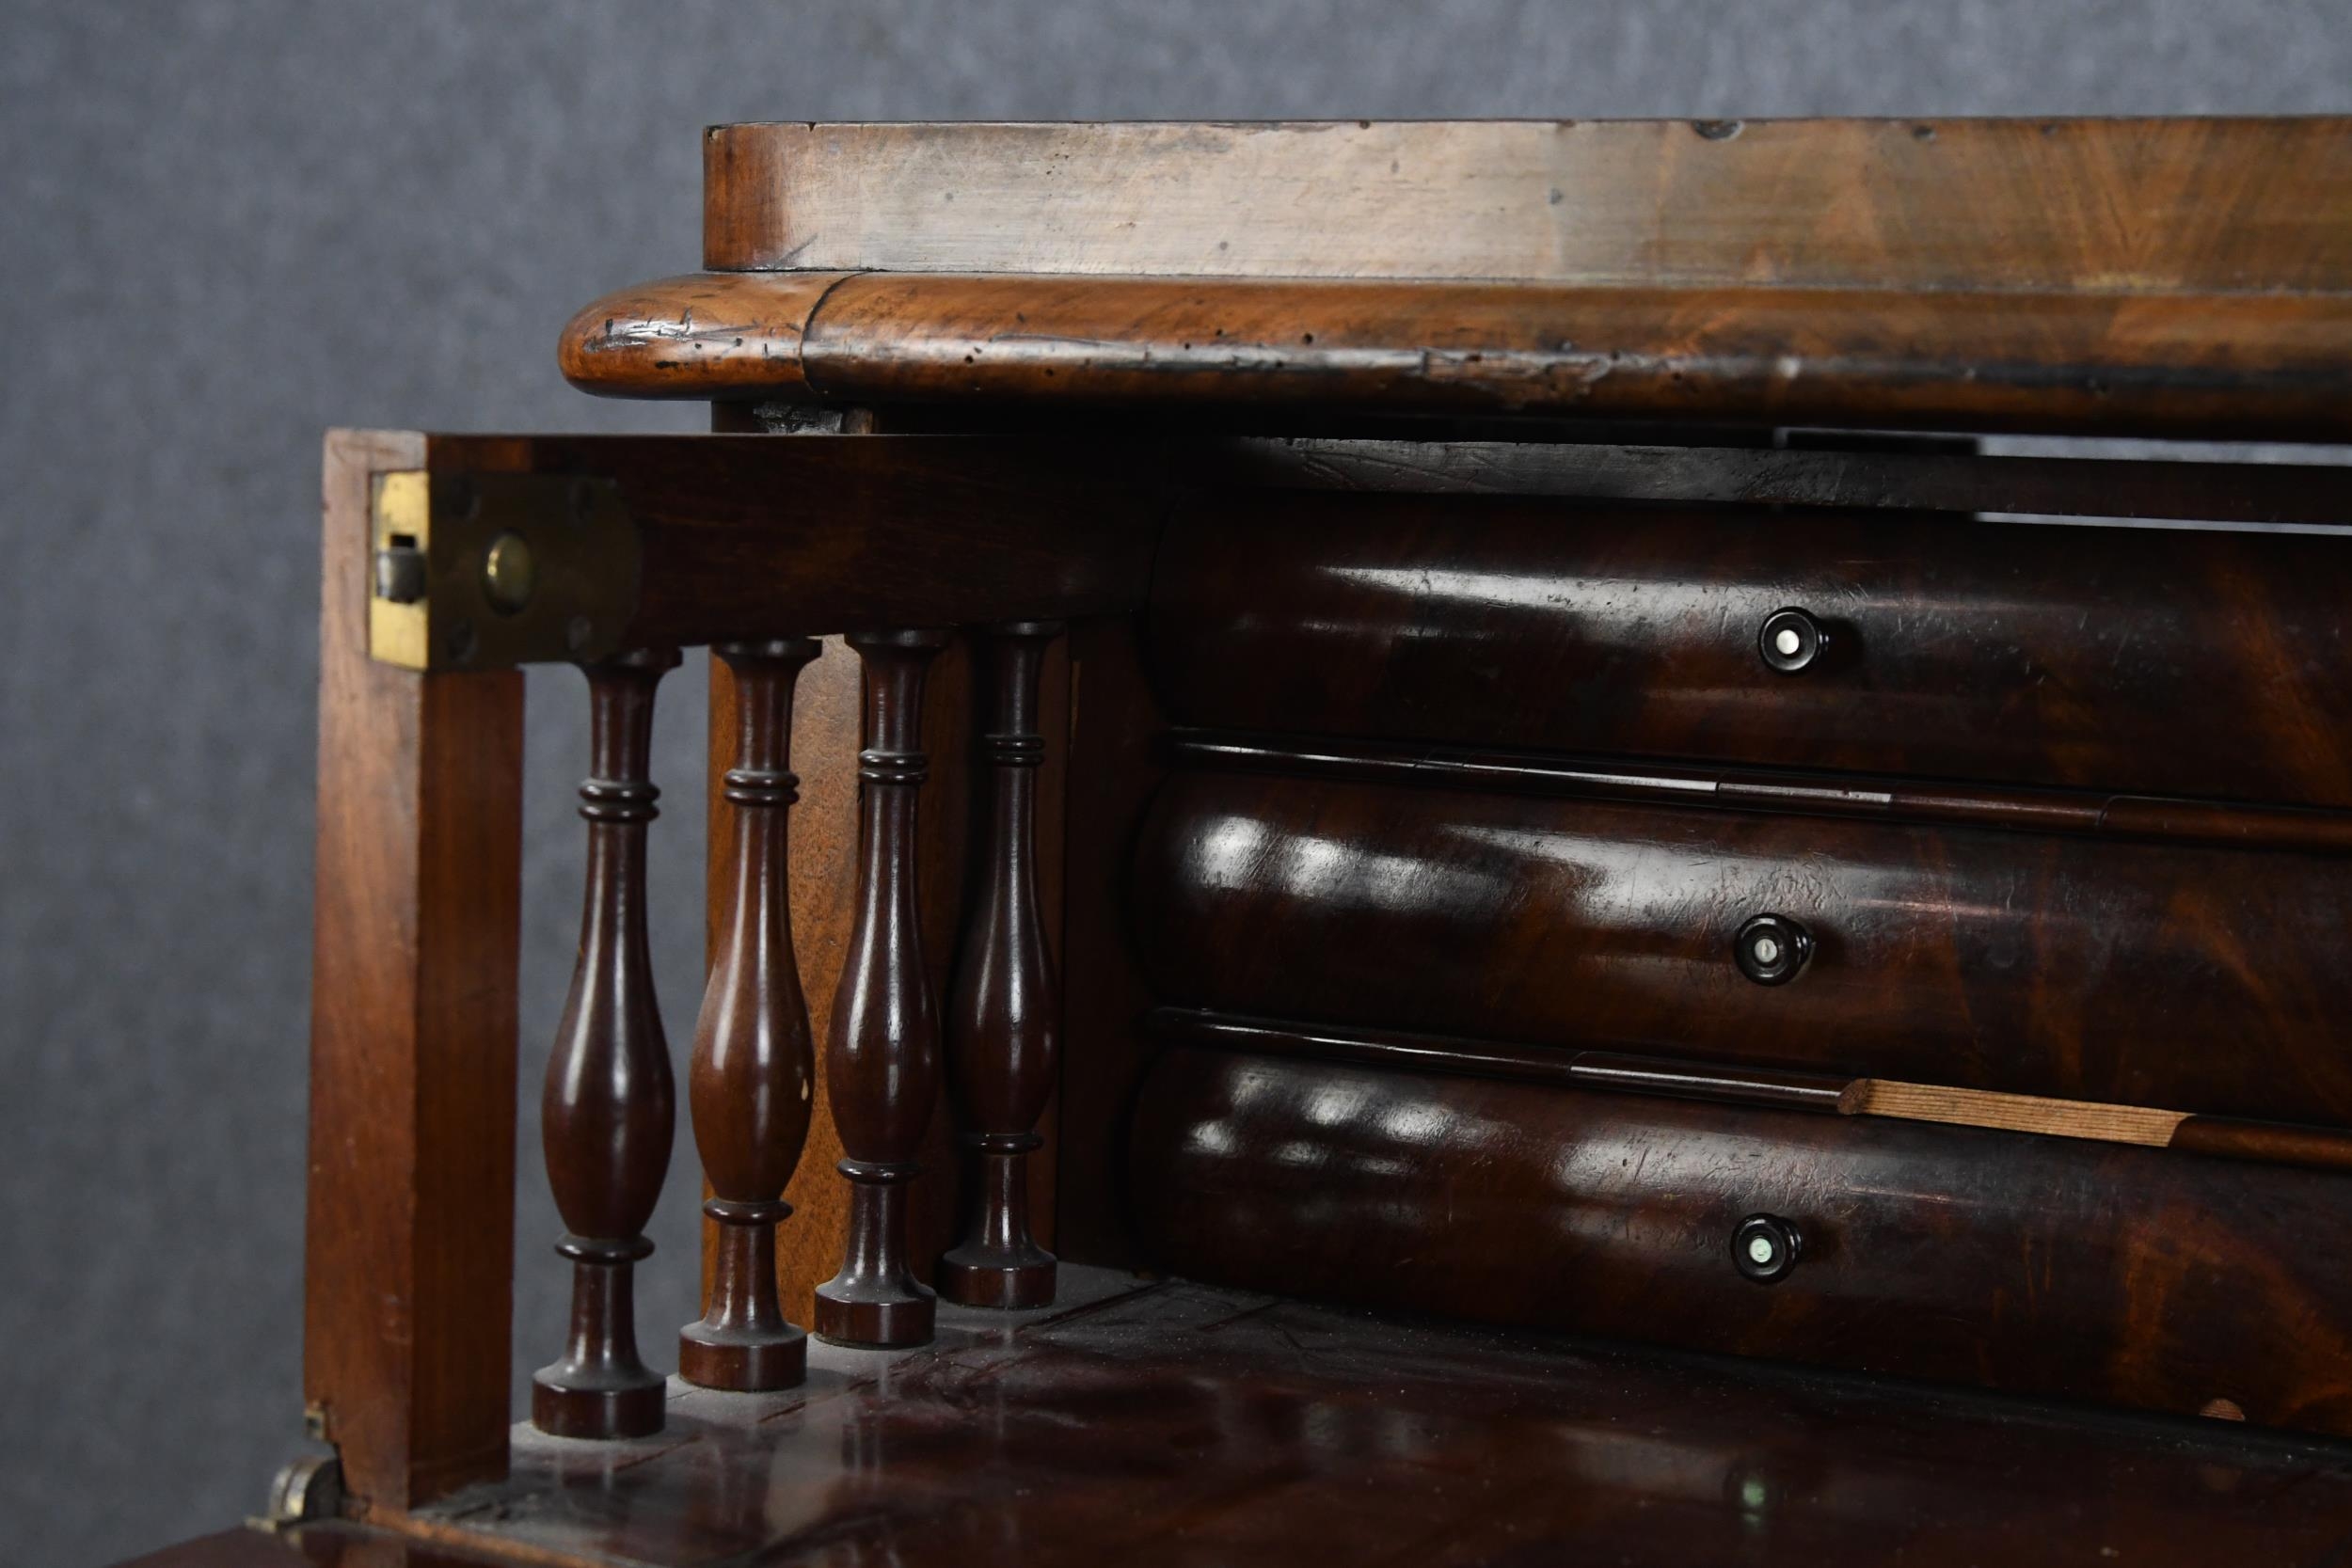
[[2027, 1264], [2167, 661], [2175, 977]]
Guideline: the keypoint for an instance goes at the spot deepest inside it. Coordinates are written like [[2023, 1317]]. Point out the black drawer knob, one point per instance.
[[1791, 640], [1772, 948], [1765, 1247]]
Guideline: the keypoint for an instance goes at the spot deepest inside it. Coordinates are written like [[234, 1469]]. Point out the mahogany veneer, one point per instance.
[[881, 1054], [754, 1070], [1005, 1020], [607, 1116]]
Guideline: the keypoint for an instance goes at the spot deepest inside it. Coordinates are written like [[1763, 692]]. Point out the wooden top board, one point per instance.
[[2181, 277]]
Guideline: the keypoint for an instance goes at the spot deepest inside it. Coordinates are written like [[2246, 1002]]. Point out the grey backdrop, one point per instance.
[[226, 225]]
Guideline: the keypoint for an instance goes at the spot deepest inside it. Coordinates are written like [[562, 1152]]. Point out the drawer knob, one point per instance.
[[1765, 1247], [1772, 948], [1791, 640]]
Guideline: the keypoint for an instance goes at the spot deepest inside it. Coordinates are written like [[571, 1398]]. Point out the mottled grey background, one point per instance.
[[226, 225]]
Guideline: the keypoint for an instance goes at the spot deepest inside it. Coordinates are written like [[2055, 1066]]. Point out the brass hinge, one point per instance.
[[482, 571]]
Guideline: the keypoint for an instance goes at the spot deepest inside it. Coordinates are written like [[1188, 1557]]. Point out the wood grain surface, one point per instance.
[[2181, 978], [2160, 660], [2035, 1265], [409, 1248], [2109, 205]]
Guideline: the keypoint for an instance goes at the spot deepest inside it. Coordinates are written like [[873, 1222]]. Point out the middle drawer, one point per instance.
[[2174, 976]]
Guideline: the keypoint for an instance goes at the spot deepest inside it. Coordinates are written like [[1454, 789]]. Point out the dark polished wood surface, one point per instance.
[[2181, 978], [883, 1047], [753, 1080], [2037, 1265], [2167, 661], [609, 1112], [1004, 1019], [1190, 1425]]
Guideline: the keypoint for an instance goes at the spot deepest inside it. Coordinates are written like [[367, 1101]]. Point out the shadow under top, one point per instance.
[[2149, 277]]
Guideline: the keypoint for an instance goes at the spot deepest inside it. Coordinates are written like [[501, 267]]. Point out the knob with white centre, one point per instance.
[[1765, 1248], [1771, 949], [1791, 640]]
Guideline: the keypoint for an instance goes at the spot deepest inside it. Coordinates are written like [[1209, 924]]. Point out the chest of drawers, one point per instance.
[[1460, 743]]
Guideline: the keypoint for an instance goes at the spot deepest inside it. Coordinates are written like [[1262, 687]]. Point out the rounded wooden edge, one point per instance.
[[701, 335], [2251, 365]]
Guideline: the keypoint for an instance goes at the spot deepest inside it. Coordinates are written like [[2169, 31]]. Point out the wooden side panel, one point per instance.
[[2172, 661], [2032, 1265], [2176, 977], [411, 1232]]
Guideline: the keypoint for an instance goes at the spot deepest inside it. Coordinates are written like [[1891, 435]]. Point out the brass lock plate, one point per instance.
[[485, 571]]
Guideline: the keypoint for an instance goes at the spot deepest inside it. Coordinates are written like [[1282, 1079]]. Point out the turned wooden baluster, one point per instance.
[[881, 1052], [753, 1070], [1002, 1025], [608, 1113]]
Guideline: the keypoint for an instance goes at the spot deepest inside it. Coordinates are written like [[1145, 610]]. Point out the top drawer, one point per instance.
[[2149, 660]]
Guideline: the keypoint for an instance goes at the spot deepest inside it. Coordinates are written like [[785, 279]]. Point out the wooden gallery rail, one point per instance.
[[453, 554]]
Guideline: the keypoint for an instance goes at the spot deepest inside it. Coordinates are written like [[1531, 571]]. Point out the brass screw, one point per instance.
[[509, 574]]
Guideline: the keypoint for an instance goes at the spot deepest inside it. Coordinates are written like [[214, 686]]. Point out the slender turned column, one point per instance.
[[1003, 1022], [609, 1110], [881, 1052], [753, 1070]]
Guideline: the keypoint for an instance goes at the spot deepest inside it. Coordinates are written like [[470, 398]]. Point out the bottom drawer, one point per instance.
[[2035, 1265]]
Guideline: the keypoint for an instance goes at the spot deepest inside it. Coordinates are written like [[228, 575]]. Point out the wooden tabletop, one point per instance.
[[1176, 1423], [2165, 275]]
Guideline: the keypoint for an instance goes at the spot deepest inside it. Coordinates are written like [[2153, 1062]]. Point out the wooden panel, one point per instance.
[[2105, 204], [2039, 1265], [743, 536], [2177, 977], [2253, 364], [2178, 661], [408, 1291]]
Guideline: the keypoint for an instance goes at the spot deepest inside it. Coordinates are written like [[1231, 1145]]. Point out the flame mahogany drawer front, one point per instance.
[[2038, 1265], [2149, 660], [2178, 976]]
